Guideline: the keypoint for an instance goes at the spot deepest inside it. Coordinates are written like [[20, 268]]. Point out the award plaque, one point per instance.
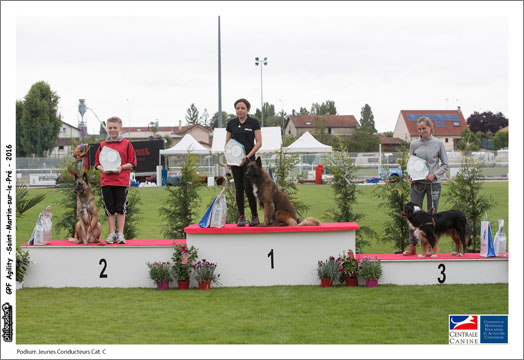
[[234, 152], [109, 158], [418, 168]]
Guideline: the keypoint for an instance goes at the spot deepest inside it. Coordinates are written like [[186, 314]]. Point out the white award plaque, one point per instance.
[[109, 158], [234, 152], [418, 168]]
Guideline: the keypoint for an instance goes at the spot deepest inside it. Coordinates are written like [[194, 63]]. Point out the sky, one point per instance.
[[151, 67], [151, 61]]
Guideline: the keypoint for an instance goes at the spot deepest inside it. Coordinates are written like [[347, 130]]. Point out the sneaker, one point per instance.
[[254, 221], [120, 238], [111, 238], [241, 221]]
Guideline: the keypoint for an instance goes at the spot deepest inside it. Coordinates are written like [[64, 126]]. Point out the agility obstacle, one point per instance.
[[258, 256]]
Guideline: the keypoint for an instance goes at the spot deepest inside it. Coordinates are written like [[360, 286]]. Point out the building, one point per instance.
[[67, 135], [391, 144], [447, 125], [202, 134], [341, 125]]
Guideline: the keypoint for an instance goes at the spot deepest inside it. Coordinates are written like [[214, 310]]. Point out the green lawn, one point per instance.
[[318, 197], [387, 314]]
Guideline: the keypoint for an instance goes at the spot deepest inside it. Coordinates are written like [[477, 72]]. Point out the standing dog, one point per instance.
[[87, 229], [278, 210], [429, 227]]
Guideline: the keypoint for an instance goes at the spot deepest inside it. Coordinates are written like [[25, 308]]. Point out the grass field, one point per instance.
[[251, 315], [318, 197]]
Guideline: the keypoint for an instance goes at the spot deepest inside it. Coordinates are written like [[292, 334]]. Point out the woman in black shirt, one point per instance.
[[246, 131]]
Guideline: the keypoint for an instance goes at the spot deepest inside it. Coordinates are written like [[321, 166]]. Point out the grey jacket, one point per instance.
[[432, 150]]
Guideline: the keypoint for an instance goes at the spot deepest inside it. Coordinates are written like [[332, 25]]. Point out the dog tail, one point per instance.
[[310, 221]]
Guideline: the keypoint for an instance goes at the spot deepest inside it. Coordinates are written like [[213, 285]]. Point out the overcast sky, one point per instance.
[[144, 68]]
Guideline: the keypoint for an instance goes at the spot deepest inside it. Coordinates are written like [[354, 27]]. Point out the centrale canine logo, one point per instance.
[[464, 322]]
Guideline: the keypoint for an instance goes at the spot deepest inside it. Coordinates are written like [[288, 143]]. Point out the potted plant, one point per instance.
[[328, 271], [183, 259], [22, 263], [349, 268], [160, 273], [205, 274], [371, 270]]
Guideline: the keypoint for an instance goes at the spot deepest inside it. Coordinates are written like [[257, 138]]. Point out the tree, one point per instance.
[[303, 111], [286, 182], [501, 140], [470, 141], [486, 122], [38, 124], [465, 194], [204, 118], [363, 140], [270, 119], [326, 108], [367, 120], [225, 118], [180, 207], [345, 192], [192, 117], [395, 195], [388, 134]]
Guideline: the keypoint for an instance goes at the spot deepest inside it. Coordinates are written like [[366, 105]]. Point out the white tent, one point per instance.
[[188, 143], [307, 144], [271, 140]]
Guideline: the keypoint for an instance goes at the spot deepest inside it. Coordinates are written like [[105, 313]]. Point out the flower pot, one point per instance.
[[371, 282], [326, 282], [164, 285], [352, 281], [204, 284], [183, 285]]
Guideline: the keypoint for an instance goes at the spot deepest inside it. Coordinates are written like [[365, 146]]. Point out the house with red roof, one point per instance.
[[447, 125], [202, 134], [341, 125]]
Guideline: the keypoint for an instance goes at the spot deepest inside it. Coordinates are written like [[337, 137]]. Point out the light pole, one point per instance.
[[261, 62]]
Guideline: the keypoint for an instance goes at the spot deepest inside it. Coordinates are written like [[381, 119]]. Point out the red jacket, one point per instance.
[[127, 155]]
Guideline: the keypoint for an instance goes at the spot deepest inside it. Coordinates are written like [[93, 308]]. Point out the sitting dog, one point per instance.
[[278, 210], [87, 229], [429, 227]]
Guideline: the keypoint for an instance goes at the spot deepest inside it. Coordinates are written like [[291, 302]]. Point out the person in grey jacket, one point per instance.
[[432, 150]]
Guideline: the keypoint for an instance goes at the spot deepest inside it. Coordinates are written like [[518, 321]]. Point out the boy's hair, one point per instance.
[[114, 119]]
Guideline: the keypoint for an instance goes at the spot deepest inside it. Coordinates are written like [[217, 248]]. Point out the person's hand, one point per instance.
[[118, 170], [243, 162], [430, 177], [410, 179]]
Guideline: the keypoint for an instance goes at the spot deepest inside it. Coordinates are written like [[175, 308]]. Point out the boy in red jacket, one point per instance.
[[115, 183]]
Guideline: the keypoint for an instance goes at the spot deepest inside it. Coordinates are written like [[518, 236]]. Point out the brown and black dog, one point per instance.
[[278, 210], [430, 227], [87, 229]]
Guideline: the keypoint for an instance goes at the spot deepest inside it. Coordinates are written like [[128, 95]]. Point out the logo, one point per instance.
[[463, 322], [478, 329], [7, 329]]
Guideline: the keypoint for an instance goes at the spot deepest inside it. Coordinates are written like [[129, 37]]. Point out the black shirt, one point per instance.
[[244, 133]]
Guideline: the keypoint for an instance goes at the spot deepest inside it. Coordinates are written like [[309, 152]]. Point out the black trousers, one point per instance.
[[242, 184]]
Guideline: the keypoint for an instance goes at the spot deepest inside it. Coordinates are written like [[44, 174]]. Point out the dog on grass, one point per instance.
[[87, 229], [430, 227], [278, 210]]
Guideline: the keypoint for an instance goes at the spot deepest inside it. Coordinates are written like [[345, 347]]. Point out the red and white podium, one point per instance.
[[245, 256]]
